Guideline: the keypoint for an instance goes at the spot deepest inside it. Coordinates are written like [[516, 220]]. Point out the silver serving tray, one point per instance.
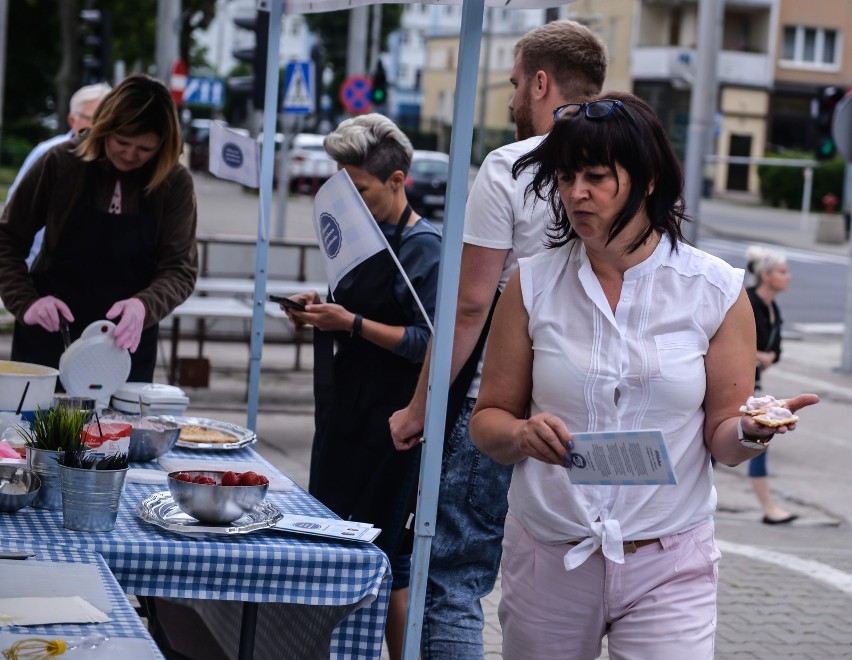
[[242, 436], [161, 510]]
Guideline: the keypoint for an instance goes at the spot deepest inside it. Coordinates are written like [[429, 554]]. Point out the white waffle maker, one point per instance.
[[93, 366]]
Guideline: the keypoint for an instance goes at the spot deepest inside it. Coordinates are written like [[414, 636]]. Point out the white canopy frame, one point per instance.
[[448, 277], [451, 248]]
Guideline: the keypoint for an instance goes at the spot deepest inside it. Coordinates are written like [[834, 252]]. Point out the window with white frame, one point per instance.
[[810, 47]]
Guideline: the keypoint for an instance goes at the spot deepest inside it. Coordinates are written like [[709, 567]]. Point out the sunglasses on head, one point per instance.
[[594, 110]]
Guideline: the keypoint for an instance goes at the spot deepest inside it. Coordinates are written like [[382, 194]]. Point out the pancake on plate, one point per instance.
[[203, 434]]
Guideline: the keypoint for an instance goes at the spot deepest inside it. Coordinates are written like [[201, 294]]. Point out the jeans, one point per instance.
[[757, 465], [466, 548]]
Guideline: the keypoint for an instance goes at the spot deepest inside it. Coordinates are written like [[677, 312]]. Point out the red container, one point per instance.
[[94, 435]]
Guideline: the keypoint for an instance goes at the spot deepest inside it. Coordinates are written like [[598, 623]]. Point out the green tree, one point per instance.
[[31, 64], [43, 58]]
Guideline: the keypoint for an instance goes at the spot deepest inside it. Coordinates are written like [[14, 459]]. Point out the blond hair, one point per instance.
[[139, 105], [763, 260], [372, 142]]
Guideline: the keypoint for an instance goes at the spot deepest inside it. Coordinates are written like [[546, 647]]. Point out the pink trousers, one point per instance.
[[660, 604]]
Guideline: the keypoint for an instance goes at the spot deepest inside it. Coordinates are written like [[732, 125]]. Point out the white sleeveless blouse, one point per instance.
[[640, 368]]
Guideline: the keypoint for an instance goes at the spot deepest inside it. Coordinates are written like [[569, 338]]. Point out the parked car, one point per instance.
[[198, 139], [426, 183], [310, 166]]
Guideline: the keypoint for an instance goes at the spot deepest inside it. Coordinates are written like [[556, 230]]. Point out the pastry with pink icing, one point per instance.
[[776, 416], [760, 405]]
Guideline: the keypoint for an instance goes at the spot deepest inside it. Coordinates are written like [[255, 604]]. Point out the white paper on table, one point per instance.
[[44, 578], [328, 527], [624, 458], [277, 482], [37, 611]]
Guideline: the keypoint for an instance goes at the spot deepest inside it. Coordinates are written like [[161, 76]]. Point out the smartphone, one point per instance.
[[289, 304]]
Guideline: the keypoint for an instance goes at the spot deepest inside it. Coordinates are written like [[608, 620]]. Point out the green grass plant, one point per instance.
[[56, 429]]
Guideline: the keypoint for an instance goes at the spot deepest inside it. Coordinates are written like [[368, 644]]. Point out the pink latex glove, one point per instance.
[[128, 332], [45, 312]]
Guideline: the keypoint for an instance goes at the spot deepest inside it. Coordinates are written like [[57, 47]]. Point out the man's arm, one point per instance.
[[479, 279]]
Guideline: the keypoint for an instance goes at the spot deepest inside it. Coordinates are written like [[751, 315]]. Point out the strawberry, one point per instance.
[[230, 479], [249, 479], [204, 479], [182, 476]]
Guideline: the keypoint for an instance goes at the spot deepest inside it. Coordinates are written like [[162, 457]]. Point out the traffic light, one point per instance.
[[95, 46], [379, 93], [828, 99], [255, 56]]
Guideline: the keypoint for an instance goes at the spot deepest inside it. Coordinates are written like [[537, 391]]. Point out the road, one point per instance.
[[817, 292]]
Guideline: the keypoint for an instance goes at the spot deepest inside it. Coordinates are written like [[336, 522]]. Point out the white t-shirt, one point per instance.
[[497, 216], [640, 368]]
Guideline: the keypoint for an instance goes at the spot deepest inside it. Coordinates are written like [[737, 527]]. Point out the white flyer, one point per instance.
[[624, 458], [328, 527]]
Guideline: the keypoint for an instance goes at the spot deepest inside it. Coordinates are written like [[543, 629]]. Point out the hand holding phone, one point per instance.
[[286, 302]]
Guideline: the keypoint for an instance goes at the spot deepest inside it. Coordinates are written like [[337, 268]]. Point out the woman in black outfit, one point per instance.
[[771, 277], [369, 345]]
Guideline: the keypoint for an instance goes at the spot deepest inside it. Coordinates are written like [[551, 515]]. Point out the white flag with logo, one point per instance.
[[346, 230], [348, 233], [234, 156]]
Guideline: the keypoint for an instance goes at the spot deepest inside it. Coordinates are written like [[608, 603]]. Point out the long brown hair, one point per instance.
[[139, 104]]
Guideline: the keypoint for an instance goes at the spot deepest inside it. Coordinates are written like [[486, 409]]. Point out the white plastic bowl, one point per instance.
[[14, 377]]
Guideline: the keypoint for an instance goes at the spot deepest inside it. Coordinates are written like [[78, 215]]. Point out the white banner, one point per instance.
[[348, 233], [234, 156], [315, 6], [346, 230]]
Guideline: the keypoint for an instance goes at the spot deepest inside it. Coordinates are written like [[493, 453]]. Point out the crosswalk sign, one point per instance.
[[299, 88]]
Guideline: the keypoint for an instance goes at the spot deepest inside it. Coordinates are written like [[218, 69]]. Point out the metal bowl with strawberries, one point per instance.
[[217, 497]]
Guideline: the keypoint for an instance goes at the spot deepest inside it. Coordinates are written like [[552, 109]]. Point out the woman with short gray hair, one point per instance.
[[380, 337]]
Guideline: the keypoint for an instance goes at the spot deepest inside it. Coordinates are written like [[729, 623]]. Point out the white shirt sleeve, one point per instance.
[[496, 198]]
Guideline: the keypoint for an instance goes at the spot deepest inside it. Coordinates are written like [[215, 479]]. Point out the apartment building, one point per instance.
[[814, 52]]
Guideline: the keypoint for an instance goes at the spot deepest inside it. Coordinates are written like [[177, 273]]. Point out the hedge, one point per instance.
[[783, 186]]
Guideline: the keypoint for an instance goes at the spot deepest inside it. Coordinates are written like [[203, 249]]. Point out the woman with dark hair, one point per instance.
[[620, 326], [119, 215]]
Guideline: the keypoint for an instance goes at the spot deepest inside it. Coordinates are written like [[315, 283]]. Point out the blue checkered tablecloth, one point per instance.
[[264, 566], [125, 622]]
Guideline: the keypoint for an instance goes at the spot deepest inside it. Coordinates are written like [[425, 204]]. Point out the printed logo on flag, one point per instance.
[[332, 237], [232, 155]]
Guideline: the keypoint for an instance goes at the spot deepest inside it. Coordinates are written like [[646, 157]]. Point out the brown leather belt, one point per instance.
[[632, 546], [629, 546]]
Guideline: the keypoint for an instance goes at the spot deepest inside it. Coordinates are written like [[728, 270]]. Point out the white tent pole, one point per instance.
[[445, 317], [267, 163]]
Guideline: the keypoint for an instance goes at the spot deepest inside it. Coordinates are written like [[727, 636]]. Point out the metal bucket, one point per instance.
[[90, 498], [45, 463]]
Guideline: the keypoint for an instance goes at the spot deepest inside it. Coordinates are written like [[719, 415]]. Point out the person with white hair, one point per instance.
[[770, 275], [82, 108]]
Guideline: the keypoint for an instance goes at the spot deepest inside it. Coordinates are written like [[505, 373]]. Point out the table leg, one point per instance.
[[173, 358], [247, 631]]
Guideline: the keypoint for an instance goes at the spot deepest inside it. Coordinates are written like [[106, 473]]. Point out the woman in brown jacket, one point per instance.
[[119, 214]]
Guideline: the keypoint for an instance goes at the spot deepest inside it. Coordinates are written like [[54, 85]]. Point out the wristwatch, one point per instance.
[[356, 326], [750, 441]]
